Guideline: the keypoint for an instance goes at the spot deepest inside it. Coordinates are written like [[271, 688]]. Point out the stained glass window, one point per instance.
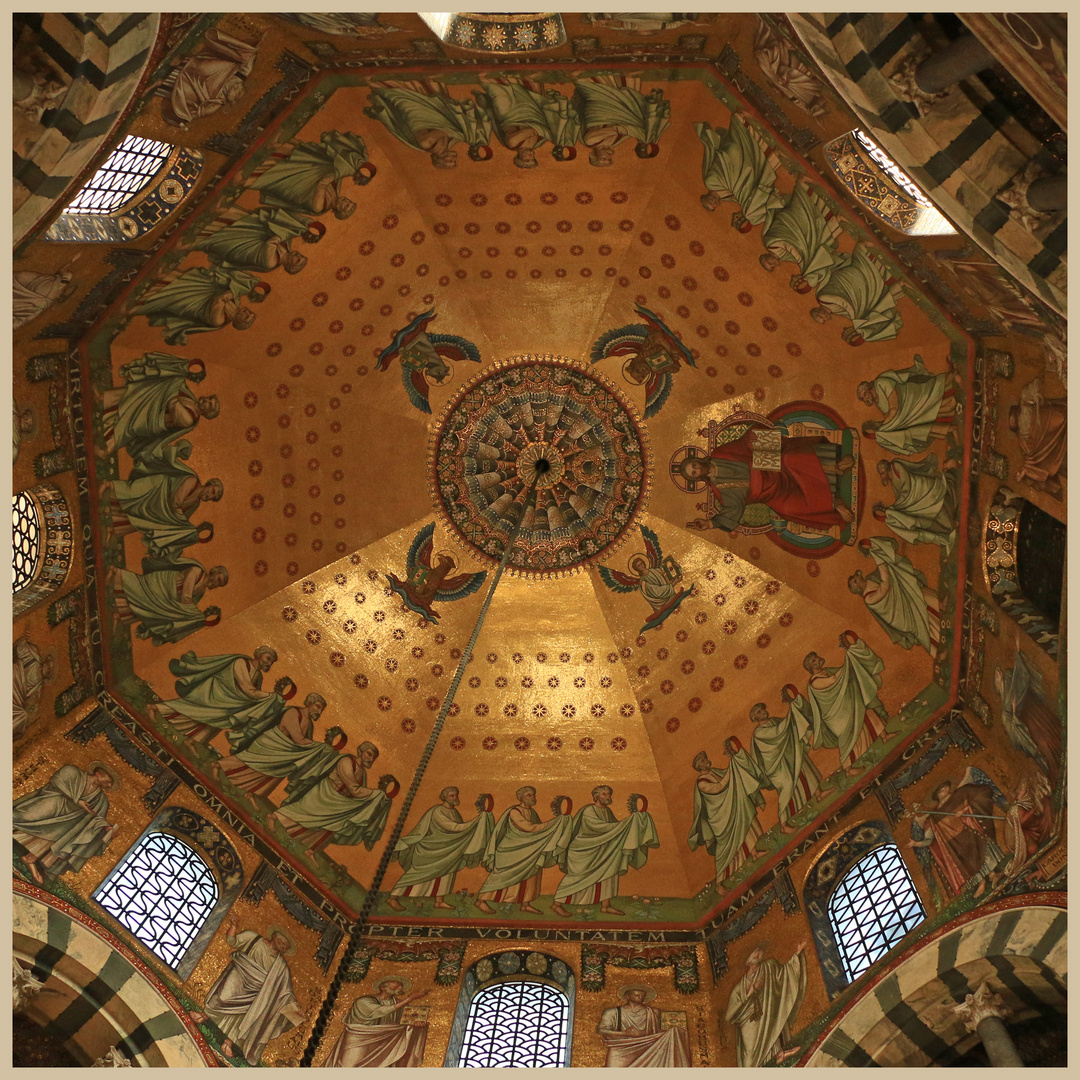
[[129, 168], [163, 892], [26, 540], [516, 1025], [873, 907]]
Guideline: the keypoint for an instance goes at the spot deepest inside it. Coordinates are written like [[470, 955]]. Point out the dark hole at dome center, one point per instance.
[[542, 465]]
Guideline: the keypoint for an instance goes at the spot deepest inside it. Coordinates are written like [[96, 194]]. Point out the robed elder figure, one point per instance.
[[763, 1007], [375, 1036], [635, 1037]]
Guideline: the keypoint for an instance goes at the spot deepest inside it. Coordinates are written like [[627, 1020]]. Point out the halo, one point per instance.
[[626, 372], [449, 371], [677, 477], [449, 554], [650, 993], [117, 782], [272, 930], [406, 984], [630, 561]]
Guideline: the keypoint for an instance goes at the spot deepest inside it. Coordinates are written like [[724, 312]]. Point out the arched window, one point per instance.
[[860, 901], [873, 907], [516, 1010], [162, 892], [173, 887], [26, 540], [516, 1025], [141, 182], [876, 181], [41, 549]]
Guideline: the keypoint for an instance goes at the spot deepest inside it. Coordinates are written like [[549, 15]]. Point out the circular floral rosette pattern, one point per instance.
[[543, 441]]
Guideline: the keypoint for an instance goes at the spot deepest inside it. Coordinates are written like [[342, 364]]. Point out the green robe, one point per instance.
[[783, 761], [309, 179], [736, 167], [903, 611], [513, 855], [763, 1008], [352, 820], [919, 396], [154, 599], [405, 113], [837, 712], [207, 693], [926, 502], [441, 844], [186, 304], [274, 753], [724, 820], [512, 105], [52, 813], [857, 289], [804, 232], [257, 241], [603, 102], [602, 847], [150, 384]]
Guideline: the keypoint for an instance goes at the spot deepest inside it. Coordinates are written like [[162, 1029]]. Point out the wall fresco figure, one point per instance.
[[763, 1007], [613, 108], [258, 240], [23, 426], [524, 116], [859, 288], [804, 231], [739, 165], [786, 72], [917, 407], [210, 78], [1029, 819], [33, 293], [926, 500], [32, 669], [654, 576], [635, 1037], [1040, 425], [165, 603], [376, 1035], [1033, 727], [781, 747]]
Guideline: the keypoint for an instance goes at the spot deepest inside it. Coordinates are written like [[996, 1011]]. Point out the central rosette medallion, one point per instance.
[[543, 441]]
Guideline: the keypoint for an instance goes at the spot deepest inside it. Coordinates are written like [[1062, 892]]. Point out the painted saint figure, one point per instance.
[[738, 165], [654, 576], [635, 1037], [926, 500], [804, 231], [259, 240], [786, 72], [781, 749], [165, 603], [763, 1007], [1031, 723], [427, 579], [32, 668], [524, 116], [33, 293], [374, 1036], [859, 289], [601, 849], [219, 693], [64, 823], [439, 845], [1040, 424], [521, 847], [613, 108], [23, 426], [898, 597], [917, 407], [210, 78], [252, 1000], [842, 707], [726, 805]]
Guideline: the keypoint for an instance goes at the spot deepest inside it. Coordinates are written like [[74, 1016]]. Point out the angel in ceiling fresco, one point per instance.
[[307, 177], [422, 114], [258, 240], [896, 594], [739, 165], [918, 407], [863, 291], [211, 78], [153, 408], [842, 709], [427, 580], [165, 603], [804, 231], [726, 805], [654, 575], [781, 748], [926, 500], [425, 358], [613, 108], [524, 116], [652, 355], [792, 475], [202, 299], [219, 693]]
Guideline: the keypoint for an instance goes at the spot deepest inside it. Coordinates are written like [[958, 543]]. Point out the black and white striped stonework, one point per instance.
[[104, 57], [963, 151]]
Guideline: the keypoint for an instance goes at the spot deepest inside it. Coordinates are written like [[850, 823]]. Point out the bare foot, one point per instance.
[[560, 910], [607, 909], [485, 907], [846, 516], [845, 465], [198, 1017], [440, 903], [394, 903], [529, 907], [227, 1048], [788, 829], [31, 865], [310, 856]]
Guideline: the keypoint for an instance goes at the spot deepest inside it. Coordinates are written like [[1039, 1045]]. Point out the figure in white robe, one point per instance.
[[739, 165], [32, 669], [897, 595], [210, 78], [763, 1007], [859, 288], [926, 500], [521, 847], [440, 845], [842, 705], [786, 72], [635, 1037], [726, 805], [34, 293], [601, 849], [252, 1000], [781, 750], [917, 406], [374, 1036]]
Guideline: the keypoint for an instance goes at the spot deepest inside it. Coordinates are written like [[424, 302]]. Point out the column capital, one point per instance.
[[980, 1005]]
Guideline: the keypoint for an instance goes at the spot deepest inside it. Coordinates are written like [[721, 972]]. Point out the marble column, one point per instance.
[[966, 56], [984, 1012]]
